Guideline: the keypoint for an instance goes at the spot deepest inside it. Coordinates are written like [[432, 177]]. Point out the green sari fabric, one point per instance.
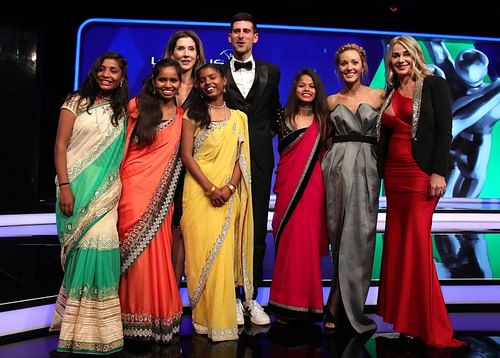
[[88, 308]]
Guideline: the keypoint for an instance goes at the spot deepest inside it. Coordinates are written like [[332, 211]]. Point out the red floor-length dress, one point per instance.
[[410, 296]]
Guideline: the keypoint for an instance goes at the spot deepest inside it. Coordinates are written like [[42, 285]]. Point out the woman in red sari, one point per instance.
[[299, 223], [151, 305]]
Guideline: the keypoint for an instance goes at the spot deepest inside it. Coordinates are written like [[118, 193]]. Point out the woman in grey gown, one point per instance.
[[352, 189]]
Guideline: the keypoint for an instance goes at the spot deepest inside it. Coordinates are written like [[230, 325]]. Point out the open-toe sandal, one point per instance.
[[330, 323]]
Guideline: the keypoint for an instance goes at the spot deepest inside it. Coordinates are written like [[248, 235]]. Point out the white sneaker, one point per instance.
[[240, 317], [257, 314]]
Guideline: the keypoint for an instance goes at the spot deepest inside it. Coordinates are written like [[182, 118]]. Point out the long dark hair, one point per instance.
[[90, 89], [200, 52], [319, 104], [198, 111], [150, 113]]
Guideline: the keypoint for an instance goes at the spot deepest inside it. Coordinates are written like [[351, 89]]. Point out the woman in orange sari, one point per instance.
[[151, 305]]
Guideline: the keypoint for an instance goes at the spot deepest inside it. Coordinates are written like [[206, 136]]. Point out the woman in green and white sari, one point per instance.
[[89, 148]]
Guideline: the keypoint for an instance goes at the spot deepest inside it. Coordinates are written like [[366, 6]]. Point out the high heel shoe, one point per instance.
[[406, 338], [411, 342], [329, 323]]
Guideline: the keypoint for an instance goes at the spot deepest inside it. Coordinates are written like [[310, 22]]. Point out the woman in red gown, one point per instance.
[[415, 135]]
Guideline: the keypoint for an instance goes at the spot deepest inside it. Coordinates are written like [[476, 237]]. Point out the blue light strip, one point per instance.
[[27, 219], [480, 222], [25, 319], [263, 26]]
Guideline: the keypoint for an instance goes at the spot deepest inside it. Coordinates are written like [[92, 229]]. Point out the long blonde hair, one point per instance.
[[419, 68]]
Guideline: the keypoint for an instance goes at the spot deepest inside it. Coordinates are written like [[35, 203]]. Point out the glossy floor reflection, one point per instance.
[[290, 341]]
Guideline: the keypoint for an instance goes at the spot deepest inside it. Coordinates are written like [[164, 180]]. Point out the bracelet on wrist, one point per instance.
[[231, 187], [65, 183], [212, 189]]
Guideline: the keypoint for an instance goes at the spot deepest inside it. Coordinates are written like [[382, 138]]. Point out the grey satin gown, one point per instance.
[[352, 189]]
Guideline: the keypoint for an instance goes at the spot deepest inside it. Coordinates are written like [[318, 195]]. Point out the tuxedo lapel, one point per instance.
[[259, 82]]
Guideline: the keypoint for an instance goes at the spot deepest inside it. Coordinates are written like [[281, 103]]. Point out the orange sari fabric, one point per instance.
[[151, 305]]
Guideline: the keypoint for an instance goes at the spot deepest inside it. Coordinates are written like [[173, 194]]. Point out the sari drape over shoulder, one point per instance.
[[151, 305], [219, 240], [88, 309], [299, 228]]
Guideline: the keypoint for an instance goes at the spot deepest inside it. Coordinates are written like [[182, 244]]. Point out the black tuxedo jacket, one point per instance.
[[433, 118], [261, 106]]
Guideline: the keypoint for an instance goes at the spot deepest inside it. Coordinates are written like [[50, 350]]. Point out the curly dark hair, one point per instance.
[[90, 89]]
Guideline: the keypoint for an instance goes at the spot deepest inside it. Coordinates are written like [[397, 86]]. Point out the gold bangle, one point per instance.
[[231, 187], [212, 189]]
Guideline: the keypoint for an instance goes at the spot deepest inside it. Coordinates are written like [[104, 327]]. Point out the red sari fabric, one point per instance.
[[150, 301], [409, 294], [299, 228]]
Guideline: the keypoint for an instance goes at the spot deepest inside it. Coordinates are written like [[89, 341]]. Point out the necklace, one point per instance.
[[305, 108], [217, 107], [304, 121], [104, 98], [219, 122]]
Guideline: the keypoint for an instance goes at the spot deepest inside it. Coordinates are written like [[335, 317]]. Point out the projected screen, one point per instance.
[[470, 64]]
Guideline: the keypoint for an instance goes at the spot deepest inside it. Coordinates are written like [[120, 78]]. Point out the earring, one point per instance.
[[121, 83], [154, 91]]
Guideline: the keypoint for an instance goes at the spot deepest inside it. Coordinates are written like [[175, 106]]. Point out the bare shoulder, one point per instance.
[[377, 97], [332, 101]]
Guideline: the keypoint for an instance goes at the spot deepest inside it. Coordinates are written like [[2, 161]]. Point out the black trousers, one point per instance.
[[261, 189]]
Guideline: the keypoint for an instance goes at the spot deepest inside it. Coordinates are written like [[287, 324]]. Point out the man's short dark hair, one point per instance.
[[244, 16]]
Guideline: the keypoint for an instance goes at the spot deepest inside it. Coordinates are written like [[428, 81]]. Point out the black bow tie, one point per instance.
[[247, 65]]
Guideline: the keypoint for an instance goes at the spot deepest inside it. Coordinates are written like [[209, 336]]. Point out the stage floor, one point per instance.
[[466, 251], [480, 330]]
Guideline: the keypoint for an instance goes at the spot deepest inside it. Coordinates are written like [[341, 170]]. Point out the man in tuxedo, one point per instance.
[[252, 87]]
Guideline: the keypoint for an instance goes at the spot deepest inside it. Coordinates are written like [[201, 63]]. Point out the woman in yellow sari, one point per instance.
[[217, 222]]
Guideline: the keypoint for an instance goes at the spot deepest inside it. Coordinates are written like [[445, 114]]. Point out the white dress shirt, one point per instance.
[[243, 78]]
